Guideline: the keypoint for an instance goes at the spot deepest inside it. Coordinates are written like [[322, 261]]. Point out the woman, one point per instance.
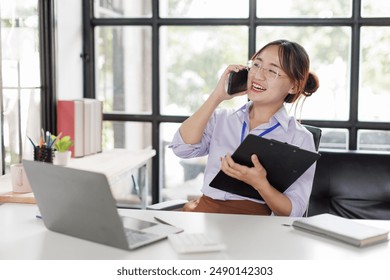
[[279, 73]]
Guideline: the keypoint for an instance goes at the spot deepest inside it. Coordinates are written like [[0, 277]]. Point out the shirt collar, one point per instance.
[[244, 108], [280, 116]]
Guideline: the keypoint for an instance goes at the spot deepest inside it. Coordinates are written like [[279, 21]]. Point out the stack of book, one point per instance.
[[82, 120]]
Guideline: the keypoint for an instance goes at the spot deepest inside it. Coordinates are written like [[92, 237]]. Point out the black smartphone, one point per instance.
[[237, 81]]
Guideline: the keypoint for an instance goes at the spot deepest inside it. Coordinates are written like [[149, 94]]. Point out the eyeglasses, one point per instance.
[[271, 74]]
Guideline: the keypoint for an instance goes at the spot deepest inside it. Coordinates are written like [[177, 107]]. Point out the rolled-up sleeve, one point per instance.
[[299, 192], [184, 150]]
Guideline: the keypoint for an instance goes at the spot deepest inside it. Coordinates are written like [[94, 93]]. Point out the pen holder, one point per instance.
[[43, 154]]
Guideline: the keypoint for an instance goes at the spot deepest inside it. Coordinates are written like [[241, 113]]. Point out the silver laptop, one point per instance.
[[80, 203]]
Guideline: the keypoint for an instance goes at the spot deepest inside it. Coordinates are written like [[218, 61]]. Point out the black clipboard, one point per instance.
[[284, 163]]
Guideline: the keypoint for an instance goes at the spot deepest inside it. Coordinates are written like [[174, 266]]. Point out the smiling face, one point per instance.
[[267, 82]]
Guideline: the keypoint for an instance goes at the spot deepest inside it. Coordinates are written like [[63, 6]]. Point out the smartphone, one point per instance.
[[237, 81]]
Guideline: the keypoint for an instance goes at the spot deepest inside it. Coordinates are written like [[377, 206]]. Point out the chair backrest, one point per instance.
[[317, 133]]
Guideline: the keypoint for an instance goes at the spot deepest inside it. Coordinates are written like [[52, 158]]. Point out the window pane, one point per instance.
[[329, 51], [204, 9], [123, 69], [11, 126], [20, 96], [21, 66], [375, 8], [122, 8], [181, 178], [20, 43], [304, 9], [22, 118], [374, 140], [192, 60], [334, 139], [133, 136], [374, 88]]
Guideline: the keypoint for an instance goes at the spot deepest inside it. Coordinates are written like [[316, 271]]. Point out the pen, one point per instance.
[[31, 141], [41, 139], [55, 139], [48, 138], [52, 142], [162, 221]]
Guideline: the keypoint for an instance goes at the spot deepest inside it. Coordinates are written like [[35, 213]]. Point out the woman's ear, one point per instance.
[[291, 96], [293, 89]]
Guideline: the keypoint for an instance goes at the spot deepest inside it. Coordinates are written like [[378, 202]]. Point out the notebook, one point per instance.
[[284, 163], [80, 204], [342, 229]]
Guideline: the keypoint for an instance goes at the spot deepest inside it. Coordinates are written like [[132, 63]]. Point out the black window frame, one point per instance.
[[47, 48], [355, 22]]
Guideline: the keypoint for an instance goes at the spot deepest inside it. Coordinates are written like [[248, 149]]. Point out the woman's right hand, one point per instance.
[[192, 128], [220, 89]]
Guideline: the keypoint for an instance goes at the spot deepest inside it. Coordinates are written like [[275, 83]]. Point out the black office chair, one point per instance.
[[177, 204], [317, 133]]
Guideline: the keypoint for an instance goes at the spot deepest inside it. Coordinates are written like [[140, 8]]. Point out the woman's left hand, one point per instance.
[[255, 176]]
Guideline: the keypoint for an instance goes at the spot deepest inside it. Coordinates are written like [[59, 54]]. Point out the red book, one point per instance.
[[70, 121]]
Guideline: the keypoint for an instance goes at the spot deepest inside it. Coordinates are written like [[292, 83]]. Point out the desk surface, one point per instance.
[[22, 236]]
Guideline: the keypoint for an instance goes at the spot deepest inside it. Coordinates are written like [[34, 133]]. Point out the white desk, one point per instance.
[[117, 164], [22, 236]]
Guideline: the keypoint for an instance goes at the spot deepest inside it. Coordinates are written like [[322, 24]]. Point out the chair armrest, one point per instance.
[[168, 205]]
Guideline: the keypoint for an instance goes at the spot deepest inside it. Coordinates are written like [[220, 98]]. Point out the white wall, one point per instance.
[[69, 47]]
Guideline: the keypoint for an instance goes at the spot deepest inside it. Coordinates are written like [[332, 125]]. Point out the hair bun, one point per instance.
[[312, 84]]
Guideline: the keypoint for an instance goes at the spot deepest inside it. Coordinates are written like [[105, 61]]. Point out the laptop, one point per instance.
[[80, 203]]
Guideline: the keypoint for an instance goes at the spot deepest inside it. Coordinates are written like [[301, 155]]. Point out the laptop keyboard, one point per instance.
[[135, 236]]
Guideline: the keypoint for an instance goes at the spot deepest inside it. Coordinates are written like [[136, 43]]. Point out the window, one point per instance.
[[192, 59], [155, 61], [330, 60], [203, 9], [302, 9], [374, 94], [123, 68], [21, 88]]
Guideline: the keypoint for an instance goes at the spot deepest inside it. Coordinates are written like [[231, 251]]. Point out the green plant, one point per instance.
[[62, 144]]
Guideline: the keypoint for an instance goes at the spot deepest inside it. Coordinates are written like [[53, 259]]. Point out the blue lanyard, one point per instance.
[[268, 130]]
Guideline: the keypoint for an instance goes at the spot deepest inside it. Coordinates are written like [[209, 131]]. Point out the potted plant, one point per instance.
[[62, 153]]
